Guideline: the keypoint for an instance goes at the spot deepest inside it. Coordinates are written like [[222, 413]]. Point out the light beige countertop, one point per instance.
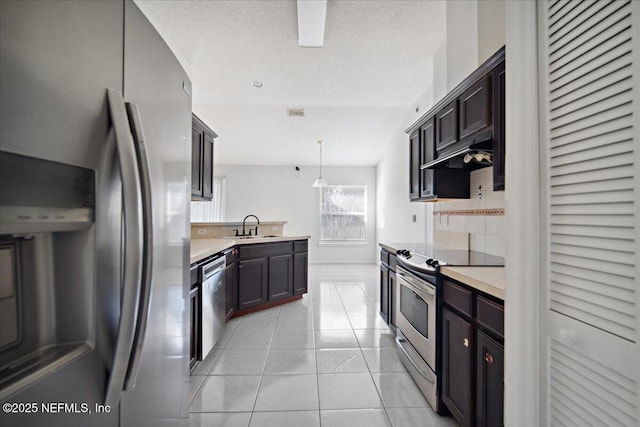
[[490, 280], [250, 222], [202, 248]]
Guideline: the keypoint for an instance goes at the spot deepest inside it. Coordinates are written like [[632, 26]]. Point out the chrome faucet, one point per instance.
[[245, 220]]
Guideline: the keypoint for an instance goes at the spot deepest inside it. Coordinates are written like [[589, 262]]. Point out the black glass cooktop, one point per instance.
[[452, 257]]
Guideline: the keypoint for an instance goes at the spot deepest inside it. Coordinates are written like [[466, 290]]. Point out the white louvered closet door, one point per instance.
[[590, 169]]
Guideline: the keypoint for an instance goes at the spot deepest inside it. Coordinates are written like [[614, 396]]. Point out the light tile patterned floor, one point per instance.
[[326, 360]]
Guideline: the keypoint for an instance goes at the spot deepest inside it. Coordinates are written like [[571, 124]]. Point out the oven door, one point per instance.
[[417, 314]]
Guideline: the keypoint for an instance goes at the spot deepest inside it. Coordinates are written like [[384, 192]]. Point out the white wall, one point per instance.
[[279, 193], [491, 28], [462, 36]]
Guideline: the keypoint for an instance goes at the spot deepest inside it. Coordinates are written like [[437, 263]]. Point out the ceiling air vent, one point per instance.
[[295, 112]]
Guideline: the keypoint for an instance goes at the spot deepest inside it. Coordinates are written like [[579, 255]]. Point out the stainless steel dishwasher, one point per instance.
[[212, 303]]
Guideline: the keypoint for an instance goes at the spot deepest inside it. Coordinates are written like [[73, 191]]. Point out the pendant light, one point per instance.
[[320, 182]]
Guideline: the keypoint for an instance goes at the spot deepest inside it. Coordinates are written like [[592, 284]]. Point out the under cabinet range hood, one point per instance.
[[471, 155]]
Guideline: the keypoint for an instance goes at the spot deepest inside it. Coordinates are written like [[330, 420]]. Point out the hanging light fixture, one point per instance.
[[320, 182]]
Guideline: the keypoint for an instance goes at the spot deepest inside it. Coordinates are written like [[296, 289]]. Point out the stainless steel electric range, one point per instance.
[[419, 306]]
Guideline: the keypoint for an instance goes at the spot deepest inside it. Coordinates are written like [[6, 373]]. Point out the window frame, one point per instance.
[[363, 214]]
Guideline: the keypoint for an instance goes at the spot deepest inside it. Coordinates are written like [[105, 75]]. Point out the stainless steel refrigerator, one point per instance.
[[95, 124]]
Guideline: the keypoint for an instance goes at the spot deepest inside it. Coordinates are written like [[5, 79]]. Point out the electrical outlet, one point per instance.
[[415, 218], [202, 231]]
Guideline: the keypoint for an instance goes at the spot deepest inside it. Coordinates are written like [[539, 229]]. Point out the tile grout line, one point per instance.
[[384, 407], [273, 332]]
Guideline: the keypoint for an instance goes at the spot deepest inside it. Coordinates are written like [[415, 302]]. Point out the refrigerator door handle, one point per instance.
[[132, 257], [147, 252]]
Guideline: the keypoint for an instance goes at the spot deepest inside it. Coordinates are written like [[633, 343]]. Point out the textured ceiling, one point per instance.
[[376, 61]]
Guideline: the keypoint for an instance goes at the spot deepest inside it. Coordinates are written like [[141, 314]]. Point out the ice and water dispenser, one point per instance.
[[47, 267]]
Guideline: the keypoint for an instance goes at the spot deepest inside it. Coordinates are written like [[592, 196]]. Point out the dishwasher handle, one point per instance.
[[213, 267]]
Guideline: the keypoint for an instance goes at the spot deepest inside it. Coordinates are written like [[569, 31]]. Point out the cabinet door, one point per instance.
[[280, 277], [414, 166], [498, 76], [457, 362], [252, 282], [207, 167], [475, 108], [300, 273], [427, 144], [447, 126], [392, 294], [384, 293], [231, 289], [489, 381], [197, 144], [194, 326]]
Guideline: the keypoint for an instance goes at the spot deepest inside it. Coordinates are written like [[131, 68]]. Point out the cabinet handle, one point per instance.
[[488, 358], [465, 342]]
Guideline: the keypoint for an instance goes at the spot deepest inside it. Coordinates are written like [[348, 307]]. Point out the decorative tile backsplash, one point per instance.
[[482, 216]]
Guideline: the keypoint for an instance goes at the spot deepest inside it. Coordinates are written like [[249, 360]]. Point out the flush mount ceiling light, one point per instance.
[[256, 83], [320, 182], [311, 17]]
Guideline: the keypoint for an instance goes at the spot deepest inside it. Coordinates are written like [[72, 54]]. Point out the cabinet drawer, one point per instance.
[[265, 250], [301, 246], [384, 257], [458, 297], [490, 315]]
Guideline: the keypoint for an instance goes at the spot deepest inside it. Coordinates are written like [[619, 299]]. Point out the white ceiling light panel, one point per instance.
[[311, 19]]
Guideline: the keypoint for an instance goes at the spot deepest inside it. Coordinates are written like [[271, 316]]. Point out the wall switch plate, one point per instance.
[[202, 231], [274, 228], [415, 218]]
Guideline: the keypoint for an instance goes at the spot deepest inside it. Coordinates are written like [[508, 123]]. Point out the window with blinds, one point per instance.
[[343, 213], [589, 123]]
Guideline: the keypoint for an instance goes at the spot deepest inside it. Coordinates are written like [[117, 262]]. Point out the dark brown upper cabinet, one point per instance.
[[475, 108], [498, 82], [197, 144], [427, 145], [414, 166], [202, 140], [433, 184], [470, 117], [447, 126]]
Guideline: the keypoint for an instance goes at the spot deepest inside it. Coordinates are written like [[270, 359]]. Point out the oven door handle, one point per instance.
[[427, 293], [422, 372]]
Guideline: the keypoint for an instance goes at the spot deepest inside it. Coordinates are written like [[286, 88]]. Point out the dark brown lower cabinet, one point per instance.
[[280, 277], [253, 282], [457, 363], [300, 273], [391, 286], [384, 292], [489, 381], [472, 356], [194, 326], [268, 273]]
